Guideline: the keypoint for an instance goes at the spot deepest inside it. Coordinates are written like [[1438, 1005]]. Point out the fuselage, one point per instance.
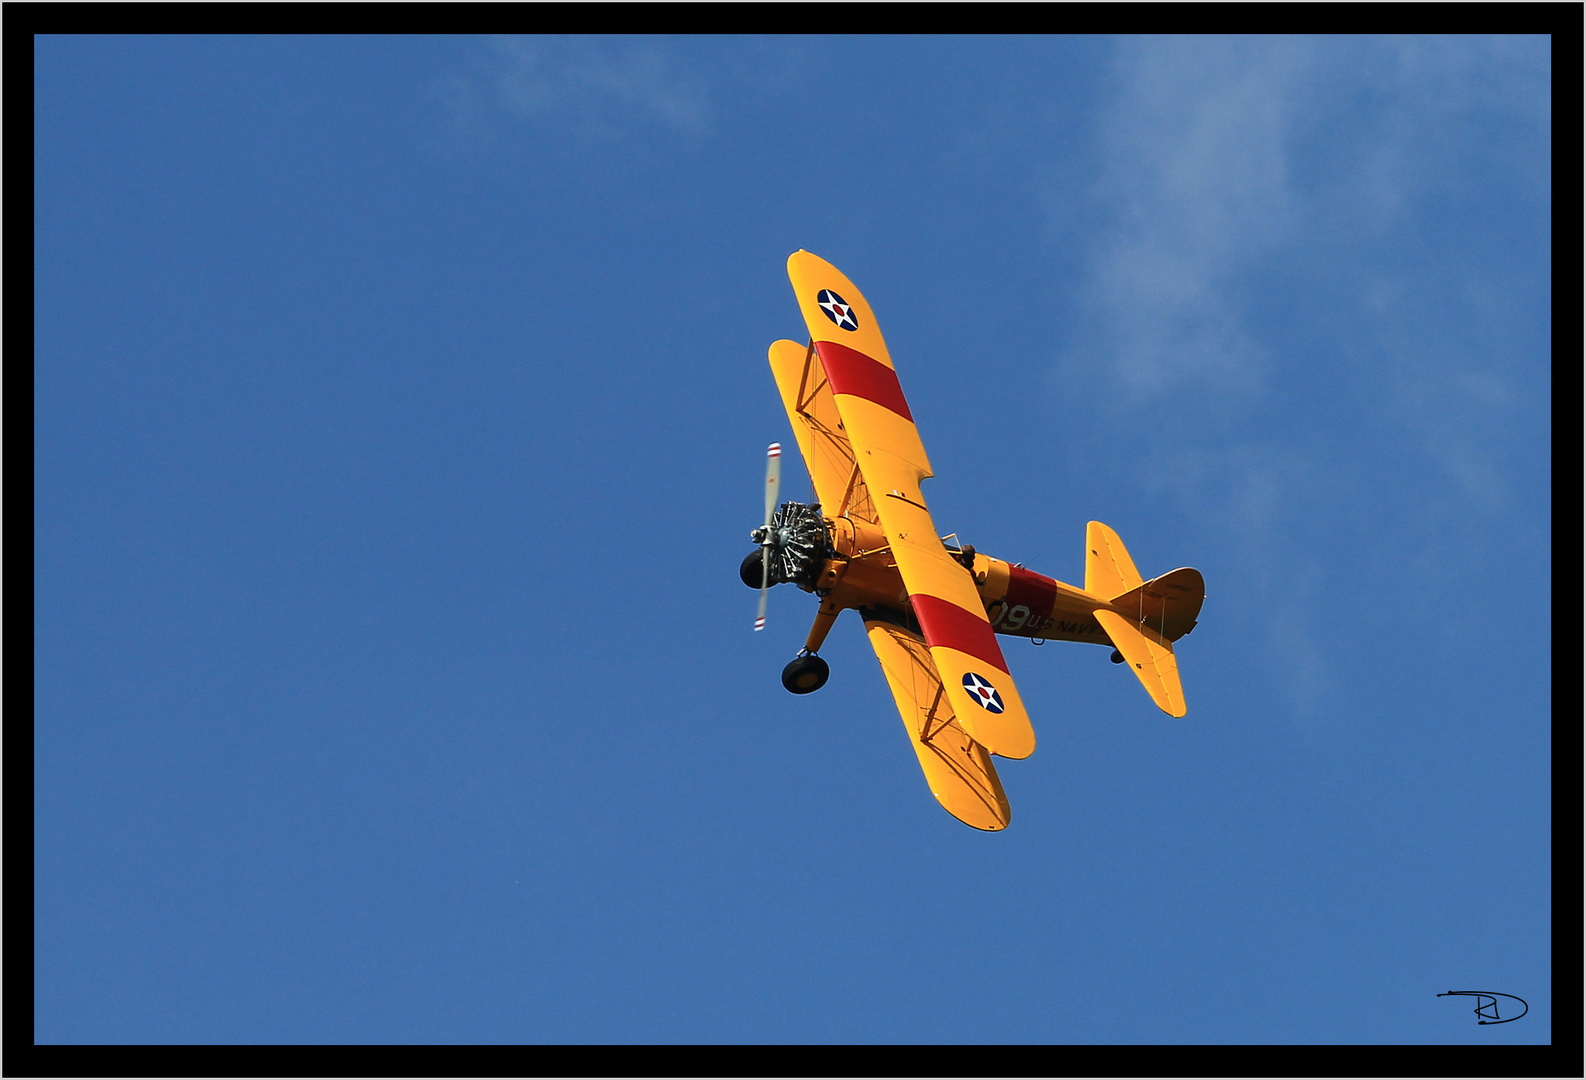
[[1019, 602]]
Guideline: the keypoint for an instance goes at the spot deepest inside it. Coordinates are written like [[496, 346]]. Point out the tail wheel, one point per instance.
[[805, 675]]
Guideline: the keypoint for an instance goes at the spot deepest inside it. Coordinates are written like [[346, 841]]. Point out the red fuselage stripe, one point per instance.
[[1035, 591], [852, 372], [951, 627]]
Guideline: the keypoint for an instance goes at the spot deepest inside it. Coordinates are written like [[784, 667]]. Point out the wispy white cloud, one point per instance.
[[601, 87], [1225, 158], [1196, 185], [1239, 171]]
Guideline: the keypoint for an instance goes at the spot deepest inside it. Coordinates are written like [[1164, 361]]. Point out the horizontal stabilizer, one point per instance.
[[1150, 657], [1168, 604]]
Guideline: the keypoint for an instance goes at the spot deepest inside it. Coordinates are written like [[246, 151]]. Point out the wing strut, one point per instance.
[[809, 358], [848, 492]]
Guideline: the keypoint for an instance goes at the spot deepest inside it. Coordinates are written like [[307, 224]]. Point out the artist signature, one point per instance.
[[1487, 1005]]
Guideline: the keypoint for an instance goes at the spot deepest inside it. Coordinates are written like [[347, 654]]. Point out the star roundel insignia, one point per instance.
[[982, 693], [837, 310]]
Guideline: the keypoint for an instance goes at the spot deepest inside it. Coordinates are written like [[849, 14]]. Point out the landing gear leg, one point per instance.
[[824, 619], [808, 672]]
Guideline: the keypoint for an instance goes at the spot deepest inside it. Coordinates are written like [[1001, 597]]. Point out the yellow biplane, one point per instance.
[[932, 610]]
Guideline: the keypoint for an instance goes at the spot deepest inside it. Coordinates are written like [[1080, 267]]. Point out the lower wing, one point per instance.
[[819, 430], [958, 769]]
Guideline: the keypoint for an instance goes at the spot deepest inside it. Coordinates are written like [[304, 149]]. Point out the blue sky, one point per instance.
[[400, 415]]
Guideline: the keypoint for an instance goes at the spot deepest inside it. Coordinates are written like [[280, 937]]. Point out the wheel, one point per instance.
[[805, 675], [750, 570], [1116, 657]]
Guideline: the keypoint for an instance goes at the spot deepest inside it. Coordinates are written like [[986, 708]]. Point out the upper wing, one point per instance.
[[958, 769], [892, 461], [818, 428]]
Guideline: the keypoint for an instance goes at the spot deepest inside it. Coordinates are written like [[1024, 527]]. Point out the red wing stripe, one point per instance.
[[951, 627], [852, 372]]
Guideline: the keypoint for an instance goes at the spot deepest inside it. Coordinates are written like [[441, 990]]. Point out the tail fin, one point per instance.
[[1143, 618], [1109, 571]]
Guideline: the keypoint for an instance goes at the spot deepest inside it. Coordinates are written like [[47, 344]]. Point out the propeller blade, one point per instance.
[[773, 479], [765, 584], [773, 484]]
